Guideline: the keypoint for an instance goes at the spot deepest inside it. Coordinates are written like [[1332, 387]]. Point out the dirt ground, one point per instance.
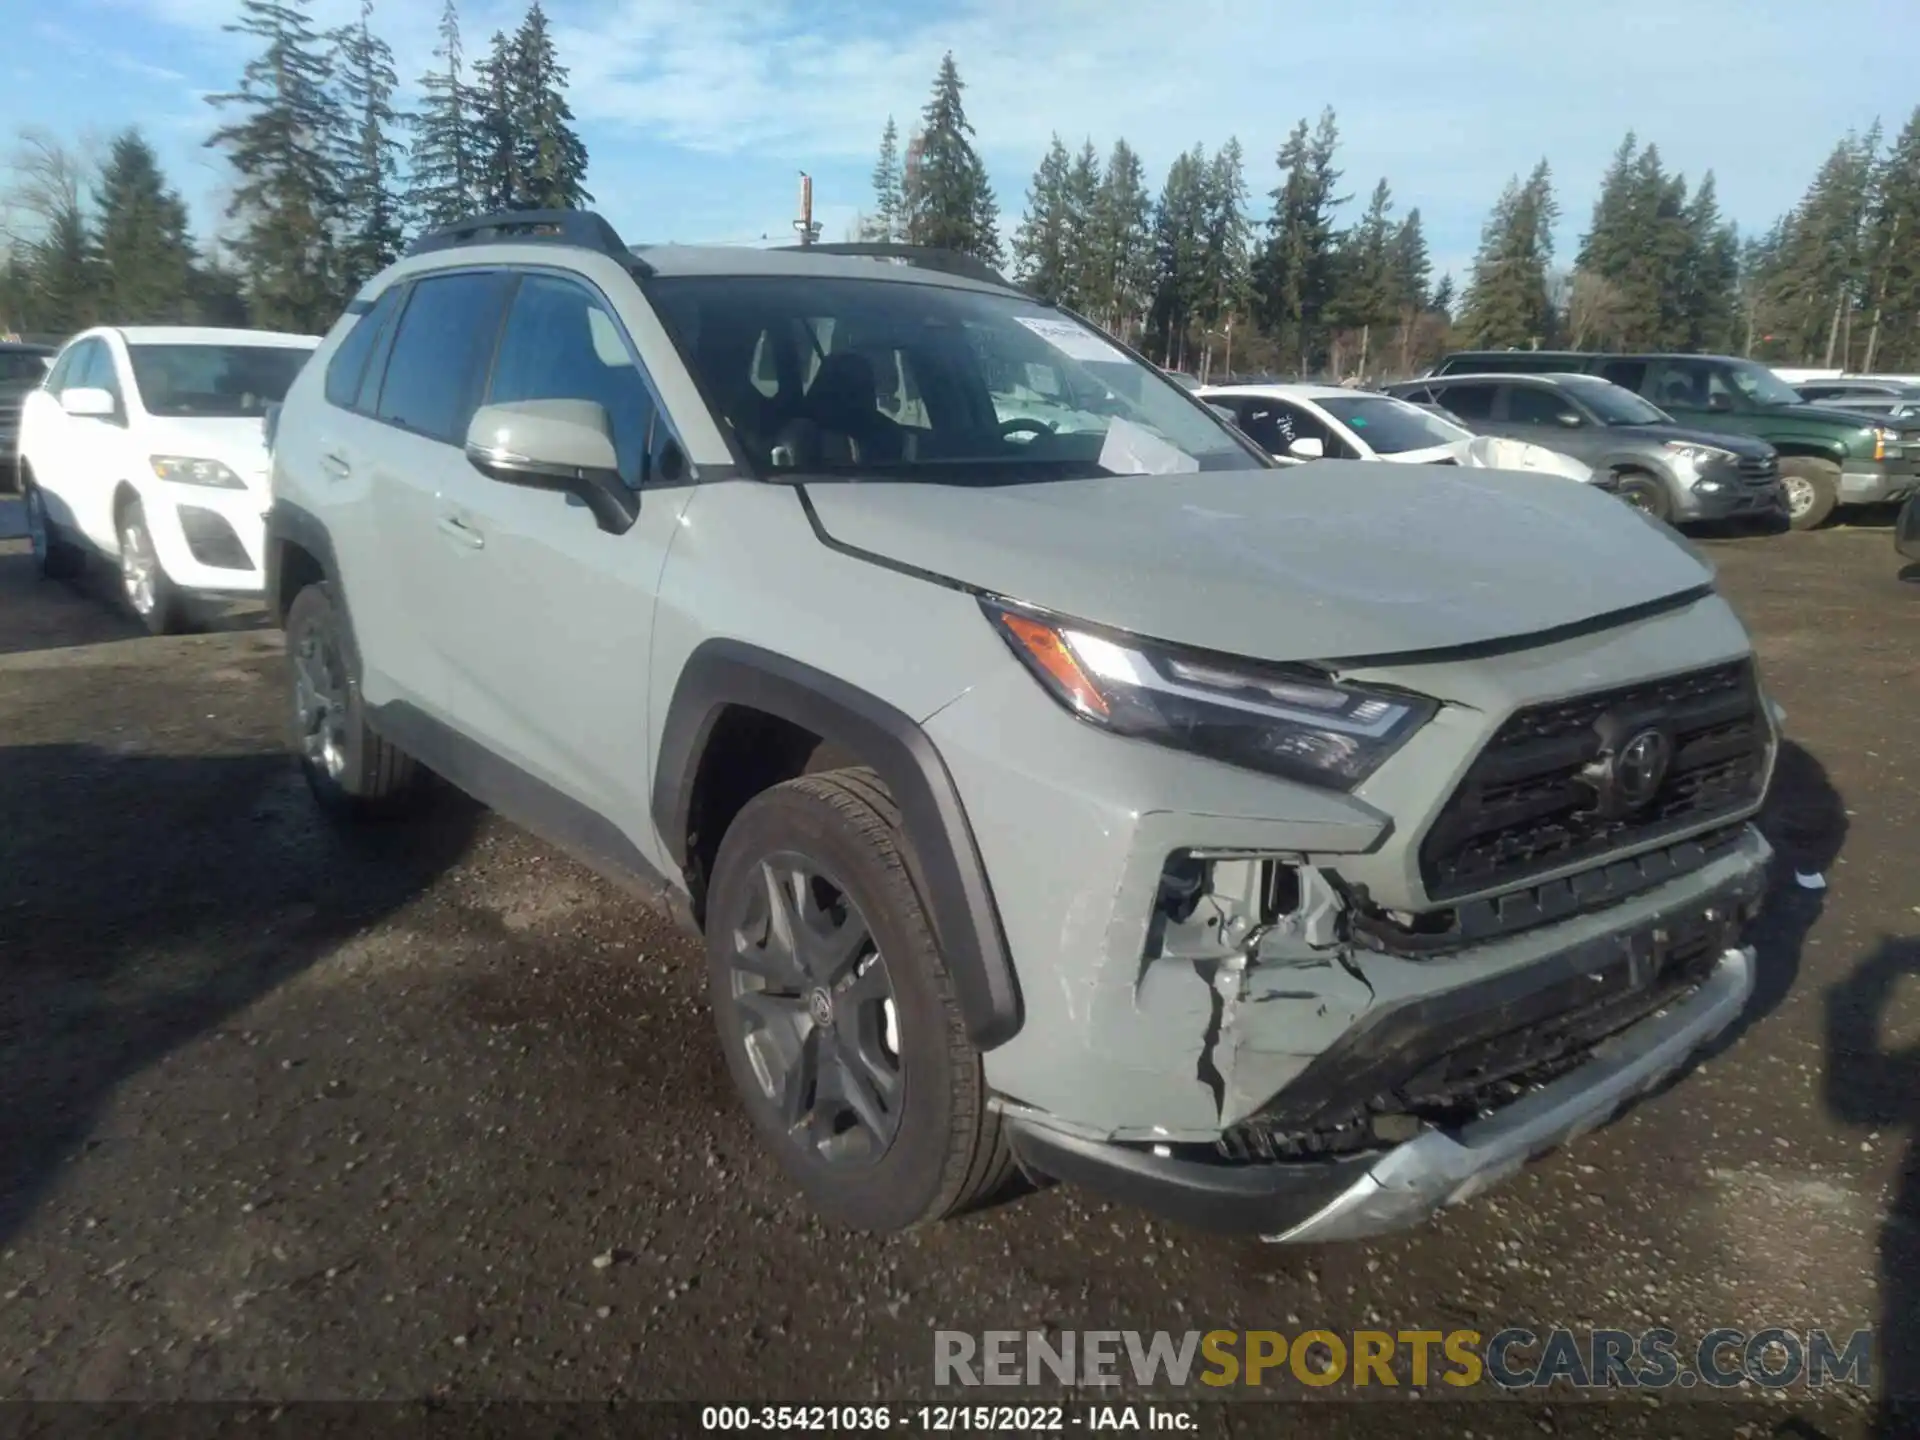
[[292, 1115]]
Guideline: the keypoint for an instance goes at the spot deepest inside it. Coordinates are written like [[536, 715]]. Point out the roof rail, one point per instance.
[[947, 262], [582, 228]]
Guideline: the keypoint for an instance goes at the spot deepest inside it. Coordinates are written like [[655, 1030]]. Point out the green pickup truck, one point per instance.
[[1827, 457]]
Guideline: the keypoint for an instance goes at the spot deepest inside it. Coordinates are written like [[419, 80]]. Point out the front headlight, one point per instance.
[[186, 470], [1291, 723], [1693, 457]]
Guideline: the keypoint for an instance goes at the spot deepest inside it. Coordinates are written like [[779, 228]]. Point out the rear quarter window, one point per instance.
[[348, 367]]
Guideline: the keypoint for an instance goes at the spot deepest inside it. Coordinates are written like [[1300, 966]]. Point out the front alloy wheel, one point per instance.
[[815, 1007], [320, 701], [143, 580]]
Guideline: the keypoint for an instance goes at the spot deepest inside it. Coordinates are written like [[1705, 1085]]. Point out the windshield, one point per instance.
[[214, 381], [920, 381], [1761, 385], [1616, 406], [1389, 426]]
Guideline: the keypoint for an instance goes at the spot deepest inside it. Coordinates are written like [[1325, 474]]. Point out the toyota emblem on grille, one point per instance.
[[1641, 766]]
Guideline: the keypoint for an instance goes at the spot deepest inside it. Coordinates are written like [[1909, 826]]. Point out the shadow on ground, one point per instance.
[[1873, 1080], [146, 899]]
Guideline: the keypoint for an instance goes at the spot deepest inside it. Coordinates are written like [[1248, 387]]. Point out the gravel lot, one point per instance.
[[286, 1114]]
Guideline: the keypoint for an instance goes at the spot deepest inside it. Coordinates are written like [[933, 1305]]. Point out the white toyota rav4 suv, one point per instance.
[[145, 444]]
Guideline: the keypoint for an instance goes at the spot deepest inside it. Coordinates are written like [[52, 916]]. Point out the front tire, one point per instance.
[[1648, 494], [836, 1012], [155, 600], [352, 771], [54, 556], [1813, 490]]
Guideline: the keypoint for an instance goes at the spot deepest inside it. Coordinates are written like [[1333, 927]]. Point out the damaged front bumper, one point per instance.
[[1474, 1081]]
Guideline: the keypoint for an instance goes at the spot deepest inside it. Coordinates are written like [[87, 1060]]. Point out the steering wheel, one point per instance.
[[1019, 423]]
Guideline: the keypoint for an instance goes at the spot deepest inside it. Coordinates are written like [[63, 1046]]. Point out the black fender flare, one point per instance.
[[953, 878], [288, 524]]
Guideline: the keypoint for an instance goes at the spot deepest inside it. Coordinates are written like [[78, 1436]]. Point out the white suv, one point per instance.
[[145, 444], [1296, 850]]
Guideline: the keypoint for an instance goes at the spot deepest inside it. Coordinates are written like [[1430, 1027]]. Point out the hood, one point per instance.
[[1693, 435], [1821, 415], [1336, 559], [240, 444]]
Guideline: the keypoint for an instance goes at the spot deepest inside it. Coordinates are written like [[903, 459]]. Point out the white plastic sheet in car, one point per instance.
[[1496, 452]]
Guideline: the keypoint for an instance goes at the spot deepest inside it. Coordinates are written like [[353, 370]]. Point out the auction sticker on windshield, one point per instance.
[[1070, 339]]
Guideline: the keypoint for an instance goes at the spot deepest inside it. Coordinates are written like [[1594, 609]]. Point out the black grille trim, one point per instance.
[[1524, 810]]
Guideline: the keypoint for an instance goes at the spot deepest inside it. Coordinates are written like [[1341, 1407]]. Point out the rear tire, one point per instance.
[[54, 556], [846, 1042], [154, 599], [352, 771], [1813, 490], [1647, 493]]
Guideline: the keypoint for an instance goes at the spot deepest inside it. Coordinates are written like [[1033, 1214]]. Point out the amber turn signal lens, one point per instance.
[[1051, 654]]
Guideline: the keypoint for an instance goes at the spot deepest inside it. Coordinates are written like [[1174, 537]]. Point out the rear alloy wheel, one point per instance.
[[152, 597], [836, 1011], [1812, 488], [54, 556], [1646, 494]]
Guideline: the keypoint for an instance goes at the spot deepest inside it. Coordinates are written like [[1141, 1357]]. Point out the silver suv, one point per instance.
[[1057, 784]]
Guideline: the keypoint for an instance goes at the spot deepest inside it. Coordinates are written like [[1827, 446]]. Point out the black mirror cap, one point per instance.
[[613, 505]]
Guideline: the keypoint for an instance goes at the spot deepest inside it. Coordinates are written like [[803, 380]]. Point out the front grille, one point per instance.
[[1759, 469], [1538, 798]]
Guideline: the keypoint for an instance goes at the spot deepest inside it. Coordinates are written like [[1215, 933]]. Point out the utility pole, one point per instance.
[[809, 231]]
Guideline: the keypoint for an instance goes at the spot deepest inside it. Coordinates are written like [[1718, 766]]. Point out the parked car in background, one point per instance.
[[145, 444], [22, 368], [1828, 457], [1906, 528], [1673, 473], [1296, 423]]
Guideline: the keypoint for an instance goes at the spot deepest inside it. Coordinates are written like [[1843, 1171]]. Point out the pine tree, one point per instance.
[[140, 238], [1121, 287], [443, 158], [288, 196], [950, 205], [1293, 276], [497, 145], [1507, 304], [65, 276], [1082, 230], [1893, 339], [1366, 287], [1708, 289], [367, 152], [1442, 301], [1412, 267], [1819, 274], [1040, 244], [1225, 255], [53, 264], [550, 159], [1179, 246], [887, 224]]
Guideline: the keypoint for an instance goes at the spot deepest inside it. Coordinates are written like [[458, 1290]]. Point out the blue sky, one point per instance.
[[698, 114]]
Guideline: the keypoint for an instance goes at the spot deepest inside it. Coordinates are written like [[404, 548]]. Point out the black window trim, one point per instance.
[[382, 353], [361, 310]]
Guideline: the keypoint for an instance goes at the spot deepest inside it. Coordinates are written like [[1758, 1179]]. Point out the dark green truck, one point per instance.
[[1827, 457]]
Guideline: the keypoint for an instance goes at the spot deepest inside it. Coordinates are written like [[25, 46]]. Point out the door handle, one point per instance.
[[459, 529], [334, 466]]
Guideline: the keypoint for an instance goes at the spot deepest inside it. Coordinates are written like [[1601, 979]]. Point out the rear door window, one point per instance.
[[441, 351], [348, 367], [1627, 374], [1469, 402], [1534, 405]]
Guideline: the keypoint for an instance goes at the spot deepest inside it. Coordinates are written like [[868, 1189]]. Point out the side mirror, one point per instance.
[[564, 445], [1308, 447], [89, 402]]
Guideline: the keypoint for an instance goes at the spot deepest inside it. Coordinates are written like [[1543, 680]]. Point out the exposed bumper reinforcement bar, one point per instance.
[[1440, 1168], [1351, 1197]]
